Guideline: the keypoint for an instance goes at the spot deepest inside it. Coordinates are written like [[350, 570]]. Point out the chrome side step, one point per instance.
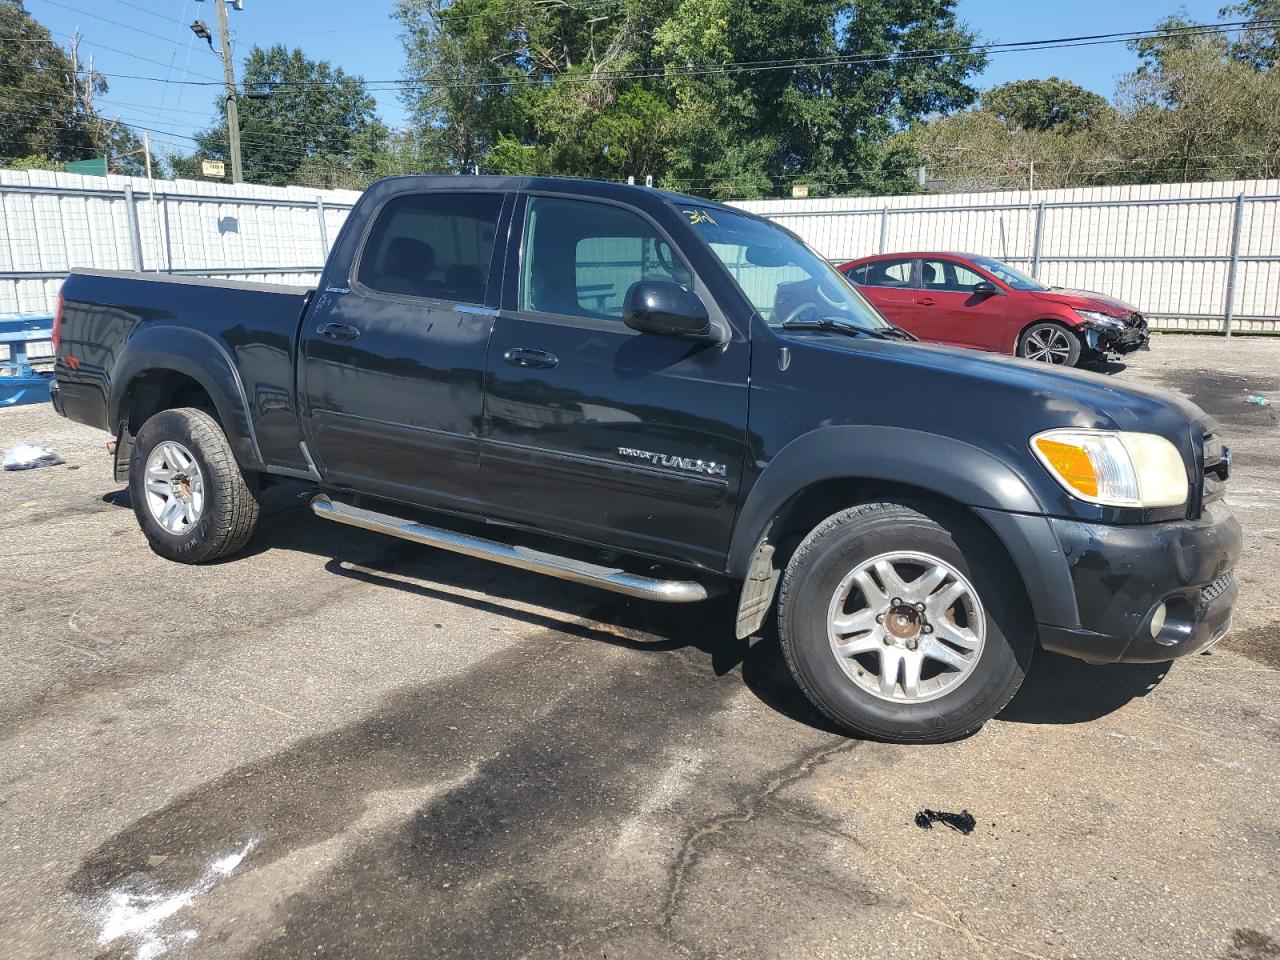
[[565, 568]]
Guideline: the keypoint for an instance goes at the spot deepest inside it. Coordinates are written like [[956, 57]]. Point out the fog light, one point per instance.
[[1158, 619]]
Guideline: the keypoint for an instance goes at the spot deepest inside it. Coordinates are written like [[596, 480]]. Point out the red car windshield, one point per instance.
[[1007, 275]]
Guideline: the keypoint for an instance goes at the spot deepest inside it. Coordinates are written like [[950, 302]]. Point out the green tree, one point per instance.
[[304, 121], [43, 110], [676, 89], [1260, 48], [1201, 107], [980, 150], [1052, 104]]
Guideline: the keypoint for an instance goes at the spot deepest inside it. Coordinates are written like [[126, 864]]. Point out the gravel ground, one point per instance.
[[340, 745]]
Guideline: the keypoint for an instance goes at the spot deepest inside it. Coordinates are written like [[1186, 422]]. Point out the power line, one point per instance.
[[91, 43], [445, 15], [265, 138], [842, 60], [150, 12], [734, 67], [117, 23]]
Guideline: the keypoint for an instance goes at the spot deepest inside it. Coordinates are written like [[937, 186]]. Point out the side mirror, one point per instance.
[[666, 308], [985, 288]]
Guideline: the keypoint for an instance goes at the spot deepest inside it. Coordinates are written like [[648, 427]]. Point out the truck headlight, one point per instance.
[[1101, 320], [1114, 467]]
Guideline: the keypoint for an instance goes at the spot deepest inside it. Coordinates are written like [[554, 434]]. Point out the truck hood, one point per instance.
[[1056, 396], [1086, 300]]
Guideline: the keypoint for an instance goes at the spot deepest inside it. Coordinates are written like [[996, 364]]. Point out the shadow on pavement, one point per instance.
[[1108, 367], [1057, 690], [1062, 689]]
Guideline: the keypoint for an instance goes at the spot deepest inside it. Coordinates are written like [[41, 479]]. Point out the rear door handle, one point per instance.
[[928, 302], [339, 331], [525, 357]]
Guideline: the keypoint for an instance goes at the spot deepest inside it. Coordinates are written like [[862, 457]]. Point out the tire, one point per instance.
[[1049, 342], [950, 701], [219, 509]]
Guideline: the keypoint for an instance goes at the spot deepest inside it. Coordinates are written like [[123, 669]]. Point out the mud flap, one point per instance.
[[124, 452], [757, 589]]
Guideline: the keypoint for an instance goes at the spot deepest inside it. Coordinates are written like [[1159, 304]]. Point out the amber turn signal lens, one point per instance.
[[1071, 463]]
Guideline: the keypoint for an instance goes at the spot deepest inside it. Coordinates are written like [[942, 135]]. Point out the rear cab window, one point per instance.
[[432, 245]]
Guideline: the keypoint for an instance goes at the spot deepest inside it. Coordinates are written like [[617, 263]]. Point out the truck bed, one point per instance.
[[236, 339]]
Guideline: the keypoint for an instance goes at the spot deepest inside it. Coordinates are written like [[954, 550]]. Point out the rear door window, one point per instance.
[[886, 273], [434, 245]]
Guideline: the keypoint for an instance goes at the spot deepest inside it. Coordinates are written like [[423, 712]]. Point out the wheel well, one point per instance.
[[1057, 321], [157, 390], [810, 506]]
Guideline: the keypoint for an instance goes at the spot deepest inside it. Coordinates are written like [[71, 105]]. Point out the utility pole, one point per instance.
[[229, 76], [88, 88]]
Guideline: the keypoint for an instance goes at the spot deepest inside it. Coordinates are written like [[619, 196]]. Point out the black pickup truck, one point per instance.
[[670, 398]]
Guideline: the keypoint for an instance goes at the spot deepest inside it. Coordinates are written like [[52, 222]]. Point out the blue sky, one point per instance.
[[151, 38]]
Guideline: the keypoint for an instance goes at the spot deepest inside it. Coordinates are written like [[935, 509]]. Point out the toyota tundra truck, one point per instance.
[[670, 398]]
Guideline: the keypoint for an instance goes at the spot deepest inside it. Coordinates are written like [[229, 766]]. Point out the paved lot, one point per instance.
[[339, 745]]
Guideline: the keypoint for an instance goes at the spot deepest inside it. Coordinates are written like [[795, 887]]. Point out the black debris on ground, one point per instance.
[[962, 821]]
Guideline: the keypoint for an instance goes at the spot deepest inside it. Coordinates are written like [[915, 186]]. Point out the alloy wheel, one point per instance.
[[1047, 345], [174, 487], [906, 627]]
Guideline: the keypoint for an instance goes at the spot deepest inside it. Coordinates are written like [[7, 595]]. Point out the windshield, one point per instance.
[[1006, 274], [784, 280]]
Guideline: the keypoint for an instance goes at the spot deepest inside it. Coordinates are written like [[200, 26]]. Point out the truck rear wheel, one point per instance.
[[903, 627], [191, 500]]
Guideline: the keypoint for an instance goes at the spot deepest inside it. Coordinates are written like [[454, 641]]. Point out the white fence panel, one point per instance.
[[53, 222], [1203, 256], [1200, 256]]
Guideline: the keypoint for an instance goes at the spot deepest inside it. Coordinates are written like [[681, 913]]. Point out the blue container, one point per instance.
[[26, 358]]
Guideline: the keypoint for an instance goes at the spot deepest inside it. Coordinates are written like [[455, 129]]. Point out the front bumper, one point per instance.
[[1121, 575], [1121, 342]]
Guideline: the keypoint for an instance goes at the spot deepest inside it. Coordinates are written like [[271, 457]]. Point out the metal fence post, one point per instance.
[[1234, 268], [884, 229], [324, 229], [135, 233], [1035, 249]]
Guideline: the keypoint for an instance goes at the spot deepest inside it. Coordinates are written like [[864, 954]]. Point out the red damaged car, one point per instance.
[[966, 300]]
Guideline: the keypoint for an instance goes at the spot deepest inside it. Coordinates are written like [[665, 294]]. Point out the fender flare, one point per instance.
[[195, 354], [951, 469]]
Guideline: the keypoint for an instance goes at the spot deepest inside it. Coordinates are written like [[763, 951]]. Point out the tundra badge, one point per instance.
[[680, 463]]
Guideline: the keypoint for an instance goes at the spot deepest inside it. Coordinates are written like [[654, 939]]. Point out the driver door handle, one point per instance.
[[526, 357], [339, 331]]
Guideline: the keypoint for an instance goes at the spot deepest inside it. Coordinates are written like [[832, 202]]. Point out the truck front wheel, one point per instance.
[[904, 626], [191, 500]]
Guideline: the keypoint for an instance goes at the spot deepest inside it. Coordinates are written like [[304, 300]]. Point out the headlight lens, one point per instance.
[[1099, 319], [1114, 468]]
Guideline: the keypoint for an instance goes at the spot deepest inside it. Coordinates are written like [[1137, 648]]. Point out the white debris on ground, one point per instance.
[[28, 456], [138, 917]]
